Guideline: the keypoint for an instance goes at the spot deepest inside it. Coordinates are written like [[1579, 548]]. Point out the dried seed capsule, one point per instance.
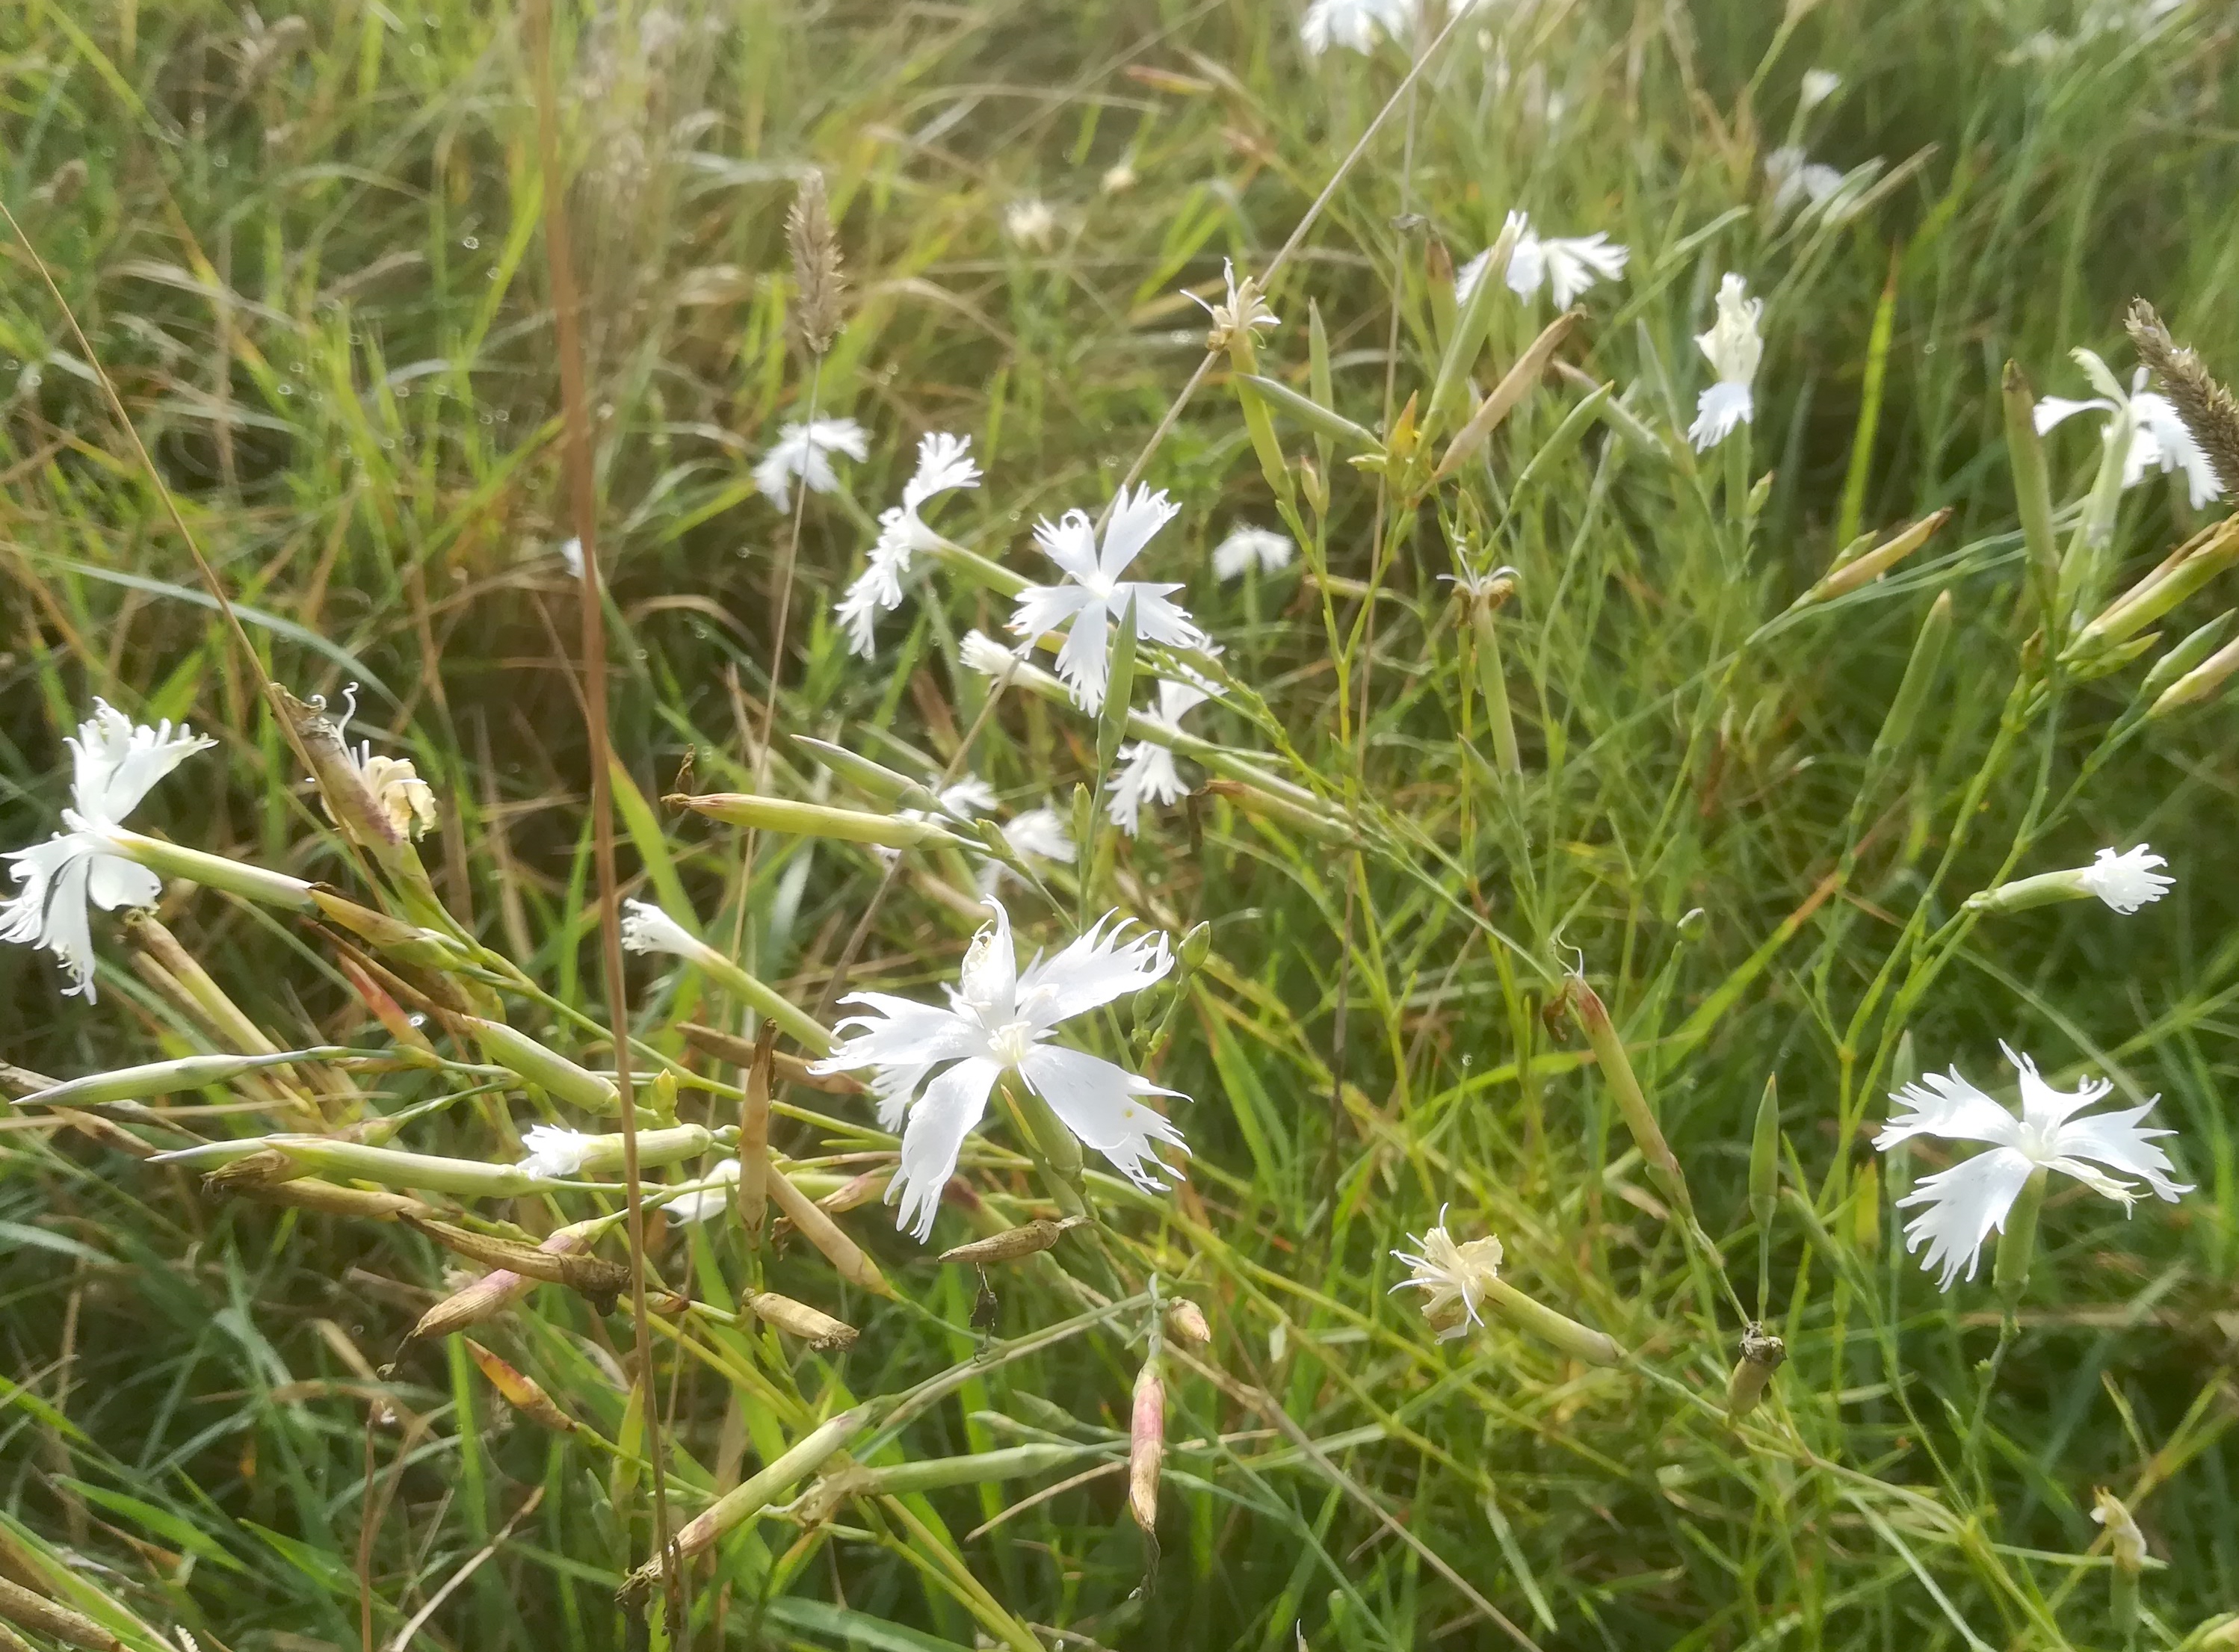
[[819, 1330], [1761, 1354], [1028, 1238]]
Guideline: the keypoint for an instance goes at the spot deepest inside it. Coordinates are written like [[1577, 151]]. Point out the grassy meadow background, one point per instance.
[[308, 248]]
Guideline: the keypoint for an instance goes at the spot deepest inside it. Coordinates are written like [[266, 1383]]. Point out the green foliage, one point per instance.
[[309, 251]]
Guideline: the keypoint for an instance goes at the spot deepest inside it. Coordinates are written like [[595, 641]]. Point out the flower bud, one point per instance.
[[754, 1137], [1761, 1354], [819, 1330], [761, 814], [2197, 684], [510, 1048], [168, 1078], [1186, 1320], [1631, 1103], [1764, 1157], [1146, 1444]]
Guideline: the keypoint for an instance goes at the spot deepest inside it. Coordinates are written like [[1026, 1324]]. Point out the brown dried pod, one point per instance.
[[310, 1193], [595, 1277], [21, 1607], [493, 1293], [1012, 1244], [813, 1326]]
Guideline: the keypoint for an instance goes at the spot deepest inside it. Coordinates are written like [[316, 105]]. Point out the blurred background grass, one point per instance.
[[307, 248]]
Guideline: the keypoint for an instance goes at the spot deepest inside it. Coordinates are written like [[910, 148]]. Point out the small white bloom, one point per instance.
[[1796, 178], [1451, 1276], [1568, 265], [707, 1200], [2159, 440], [2127, 881], [571, 557], [1243, 306], [1093, 593], [1247, 547], [115, 762], [982, 654], [944, 462], [1733, 347], [1031, 224], [1819, 85], [555, 1153], [1039, 834], [1149, 771], [1963, 1205], [647, 928], [996, 1023], [1119, 178], [1356, 24], [804, 450]]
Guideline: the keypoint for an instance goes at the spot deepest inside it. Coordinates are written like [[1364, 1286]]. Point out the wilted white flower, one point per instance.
[[804, 450], [2158, 438], [406, 801], [1569, 265], [1242, 307], [1148, 771], [1451, 1276], [1247, 547], [647, 928], [1357, 24], [2126, 881], [555, 1153], [996, 1023], [1732, 347], [944, 462], [708, 1200], [1961, 1207], [1819, 85], [116, 761], [1031, 224], [1093, 593]]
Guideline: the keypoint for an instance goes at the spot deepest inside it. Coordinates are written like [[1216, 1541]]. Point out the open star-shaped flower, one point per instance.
[[1567, 264], [1733, 347], [804, 451], [932, 1068], [116, 761], [1147, 773], [1961, 1208], [2159, 439], [1093, 593], [2127, 881], [944, 462]]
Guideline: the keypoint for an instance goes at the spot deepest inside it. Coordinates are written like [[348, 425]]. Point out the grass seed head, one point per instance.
[[816, 274]]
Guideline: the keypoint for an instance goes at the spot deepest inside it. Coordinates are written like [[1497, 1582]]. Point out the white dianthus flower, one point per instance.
[[649, 928], [707, 1200], [1961, 1207], [555, 1153], [1451, 1276], [115, 762], [996, 1023], [804, 451], [1149, 774], [1247, 547], [1568, 265], [2158, 438], [1733, 347], [944, 462], [2126, 881], [1093, 593]]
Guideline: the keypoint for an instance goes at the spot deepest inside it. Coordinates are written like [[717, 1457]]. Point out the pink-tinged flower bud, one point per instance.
[[1186, 1320], [1147, 1445]]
